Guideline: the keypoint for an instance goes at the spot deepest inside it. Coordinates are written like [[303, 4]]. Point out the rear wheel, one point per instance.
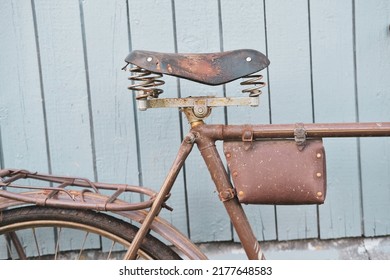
[[52, 233]]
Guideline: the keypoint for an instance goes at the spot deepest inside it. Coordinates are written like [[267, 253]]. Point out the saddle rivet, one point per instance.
[[319, 175], [319, 155], [249, 59], [149, 59]]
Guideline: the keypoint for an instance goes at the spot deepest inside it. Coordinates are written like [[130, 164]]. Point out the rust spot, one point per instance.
[[169, 68]]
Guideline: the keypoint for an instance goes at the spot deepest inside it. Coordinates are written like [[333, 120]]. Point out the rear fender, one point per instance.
[[185, 247]]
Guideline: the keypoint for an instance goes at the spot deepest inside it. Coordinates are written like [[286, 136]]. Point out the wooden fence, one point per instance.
[[65, 109]]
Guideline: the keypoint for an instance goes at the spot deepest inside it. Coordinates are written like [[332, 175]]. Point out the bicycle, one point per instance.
[[267, 164]]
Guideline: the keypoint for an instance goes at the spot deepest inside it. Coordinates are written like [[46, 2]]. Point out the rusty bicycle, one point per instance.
[[279, 164]]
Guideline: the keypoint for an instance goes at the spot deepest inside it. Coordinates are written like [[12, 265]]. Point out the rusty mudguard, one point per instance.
[[277, 172]]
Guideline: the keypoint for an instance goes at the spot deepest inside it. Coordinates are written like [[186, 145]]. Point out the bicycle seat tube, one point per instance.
[[206, 137]]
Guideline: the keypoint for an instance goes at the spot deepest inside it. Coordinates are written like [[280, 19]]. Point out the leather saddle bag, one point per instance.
[[280, 172]]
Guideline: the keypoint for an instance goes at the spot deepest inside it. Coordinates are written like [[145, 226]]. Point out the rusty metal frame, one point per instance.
[[210, 69], [184, 151], [205, 136], [159, 225], [75, 193], [209, 134]]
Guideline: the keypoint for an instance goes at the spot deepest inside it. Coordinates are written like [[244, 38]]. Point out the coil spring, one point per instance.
[[254, 81], [145, 83]]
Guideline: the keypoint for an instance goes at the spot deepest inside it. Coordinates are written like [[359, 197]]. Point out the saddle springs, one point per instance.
[[206, 68], [146, 83]]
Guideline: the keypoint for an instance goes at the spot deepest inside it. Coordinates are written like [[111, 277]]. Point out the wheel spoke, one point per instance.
[[111, 248], [57, 249], [27, 228], [36, 241], [82, 246], [12, 237]]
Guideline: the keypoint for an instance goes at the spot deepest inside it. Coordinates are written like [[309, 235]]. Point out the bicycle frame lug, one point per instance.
[[190, 138], [194, 118], [201, 109]]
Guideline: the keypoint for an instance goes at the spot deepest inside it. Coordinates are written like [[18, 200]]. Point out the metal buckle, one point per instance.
[[300, 135]]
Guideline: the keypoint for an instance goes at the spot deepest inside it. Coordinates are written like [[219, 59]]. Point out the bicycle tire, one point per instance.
[[96, 228]]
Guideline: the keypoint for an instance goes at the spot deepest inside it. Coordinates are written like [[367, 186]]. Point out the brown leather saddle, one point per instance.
[[207, 68]]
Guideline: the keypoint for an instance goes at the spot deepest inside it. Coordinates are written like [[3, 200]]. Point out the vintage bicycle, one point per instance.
[[279, 164]]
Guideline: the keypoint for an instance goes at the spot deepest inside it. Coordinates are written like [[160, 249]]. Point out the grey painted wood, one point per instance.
[[64, 106], [21, 108], [22, 122], [244, 27], [66, 92], [334, 101], [291, 95], [111, 104], [373, 83], [159, 129], [198, 31], [64, 83]]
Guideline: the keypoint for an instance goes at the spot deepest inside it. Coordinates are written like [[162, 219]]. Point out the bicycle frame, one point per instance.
[[211, 69], [205, 137]]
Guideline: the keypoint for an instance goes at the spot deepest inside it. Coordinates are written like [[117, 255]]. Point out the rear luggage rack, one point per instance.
[[70, 192]]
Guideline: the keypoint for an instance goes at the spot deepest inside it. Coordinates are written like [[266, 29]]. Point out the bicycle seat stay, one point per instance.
[[206, 68]]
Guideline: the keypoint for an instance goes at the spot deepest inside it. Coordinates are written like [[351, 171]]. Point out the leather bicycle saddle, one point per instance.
[[207, 68]]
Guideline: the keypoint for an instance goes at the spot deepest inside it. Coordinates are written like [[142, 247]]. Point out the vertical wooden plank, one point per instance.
[[111, 102], [198, 31], [112, 105], [64, 83], [373, 67], [334, 101], [151, 28], [23, 142], [243, 27], [291, 101], [21, 115], [65, 87]]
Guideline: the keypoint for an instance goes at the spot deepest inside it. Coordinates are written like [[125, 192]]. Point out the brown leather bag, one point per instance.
[[280, 172]]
